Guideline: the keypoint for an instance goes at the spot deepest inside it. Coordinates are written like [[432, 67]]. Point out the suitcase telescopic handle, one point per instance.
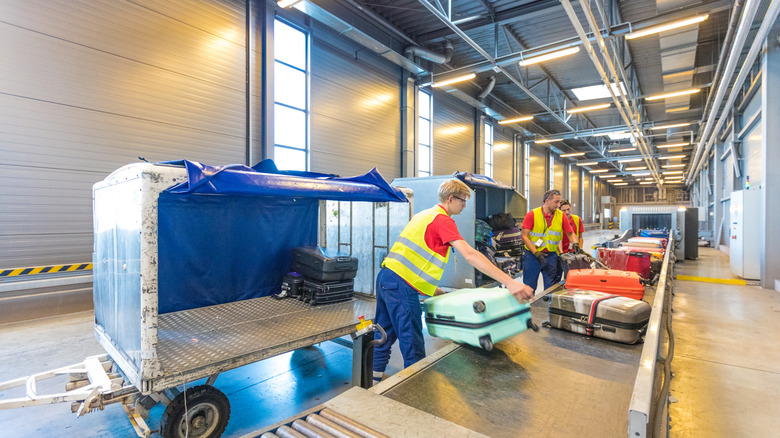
[[343, 259]]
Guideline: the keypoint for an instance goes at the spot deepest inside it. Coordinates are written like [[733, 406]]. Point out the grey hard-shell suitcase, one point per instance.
[[324, 264], [599, 314]]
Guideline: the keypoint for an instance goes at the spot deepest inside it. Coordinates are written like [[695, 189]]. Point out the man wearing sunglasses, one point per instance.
[[415, 265], [543, 229]]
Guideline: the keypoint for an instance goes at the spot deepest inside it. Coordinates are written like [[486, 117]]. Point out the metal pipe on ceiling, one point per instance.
[[758, 42], [381, 20], [743, 28]]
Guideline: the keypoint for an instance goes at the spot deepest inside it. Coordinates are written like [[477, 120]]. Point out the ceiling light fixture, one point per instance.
[[549, 56], [598, 91], [630, 160], [621, 184], [672, 172], [588, 163], [669, 166], [672, 145], [673, 94], [515, 120], [286, 3], [646, 182], [636, 168], [599, 171], [664, 27], [676, 125], [672, 157], [615, 180], [642, 174], [573, 154], [607, 176], [547, 140], [589, 108], [454, 80], [622, 150]]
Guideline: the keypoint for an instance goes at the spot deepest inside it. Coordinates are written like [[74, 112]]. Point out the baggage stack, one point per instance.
[[320, 276]]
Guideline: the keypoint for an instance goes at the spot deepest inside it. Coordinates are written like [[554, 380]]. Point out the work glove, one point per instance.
[[575, 247], [542, 260]]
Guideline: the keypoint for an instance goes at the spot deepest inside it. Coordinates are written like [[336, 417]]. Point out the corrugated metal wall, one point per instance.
[[751, 145], [574, 190], [587, 210], [355, 117], [537, 175], [559, 166], [502, 154], [453, 135], [88, 87]]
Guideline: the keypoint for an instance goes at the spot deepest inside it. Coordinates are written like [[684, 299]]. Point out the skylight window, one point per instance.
[[597, 91]]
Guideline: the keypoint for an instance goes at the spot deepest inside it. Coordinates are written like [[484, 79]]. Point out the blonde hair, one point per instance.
[[453, 187]]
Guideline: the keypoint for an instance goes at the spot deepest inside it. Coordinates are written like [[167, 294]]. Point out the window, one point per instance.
[[488, 150], [526, 176], [551, 170], [424, 137], [291, 97]]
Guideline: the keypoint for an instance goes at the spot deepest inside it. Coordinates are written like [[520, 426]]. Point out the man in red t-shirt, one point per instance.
[[538, 258], [410, 270], [565, 247]]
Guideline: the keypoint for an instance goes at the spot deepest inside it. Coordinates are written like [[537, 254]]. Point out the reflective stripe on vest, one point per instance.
[[412, 259], [554, 233]]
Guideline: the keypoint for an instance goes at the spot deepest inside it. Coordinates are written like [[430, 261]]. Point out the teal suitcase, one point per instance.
[[479, 317]]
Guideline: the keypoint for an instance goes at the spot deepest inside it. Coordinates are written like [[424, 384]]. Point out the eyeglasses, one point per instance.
[[460, 199]]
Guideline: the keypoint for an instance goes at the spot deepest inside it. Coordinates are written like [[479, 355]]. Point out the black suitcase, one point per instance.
[[291, 285], [317, 293], [324, 264]]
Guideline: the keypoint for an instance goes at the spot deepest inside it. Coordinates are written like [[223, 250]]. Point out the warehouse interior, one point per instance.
[[629, 108]]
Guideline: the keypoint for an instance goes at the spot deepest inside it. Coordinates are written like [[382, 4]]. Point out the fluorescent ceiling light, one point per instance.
[[615, 180], [454, 80], [622, 149], [665, 27], [672, 145], [547, 140], [607, 176], [573, 154], [646, 182], [669, 166], [589, 108], [588, 163], [672, 172], [598, 91], [676, 125], [671, 157], [549, 56], [636, 168], [286, 3], [673, 94], [515, 120], [599, 171], [630, 160], [621, 184], [642, 174]]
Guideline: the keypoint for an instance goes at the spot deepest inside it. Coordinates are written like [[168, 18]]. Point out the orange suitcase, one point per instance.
[[623, 283]]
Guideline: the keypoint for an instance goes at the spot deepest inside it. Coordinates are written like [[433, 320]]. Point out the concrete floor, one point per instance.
[[727, 355], [726, 367]]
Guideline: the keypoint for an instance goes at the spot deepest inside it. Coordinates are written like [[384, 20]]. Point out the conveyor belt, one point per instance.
[[551, 383]]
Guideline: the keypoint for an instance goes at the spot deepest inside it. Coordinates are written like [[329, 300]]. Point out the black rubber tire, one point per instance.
[[486, 343], [208, 412]]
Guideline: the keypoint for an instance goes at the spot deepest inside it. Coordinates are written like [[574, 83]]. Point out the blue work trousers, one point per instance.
[[531, 269], [398, 311]]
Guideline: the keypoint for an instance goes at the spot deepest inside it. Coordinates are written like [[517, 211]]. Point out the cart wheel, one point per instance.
[[207, 414], [486, 343]]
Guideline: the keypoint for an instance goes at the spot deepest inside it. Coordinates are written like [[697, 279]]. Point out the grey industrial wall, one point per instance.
[[88, 87], [537, 175], [502, 154], [453, 135]]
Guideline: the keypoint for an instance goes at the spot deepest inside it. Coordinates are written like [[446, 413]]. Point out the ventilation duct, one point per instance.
[[430, 55], [488, 88]]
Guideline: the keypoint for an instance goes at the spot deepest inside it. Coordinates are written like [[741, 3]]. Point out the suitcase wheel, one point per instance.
[[530, 324], [479, 306], [486, 343]]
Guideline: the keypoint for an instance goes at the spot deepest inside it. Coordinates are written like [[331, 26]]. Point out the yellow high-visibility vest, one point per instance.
[[577, 221], [551, 235], [412, 259]]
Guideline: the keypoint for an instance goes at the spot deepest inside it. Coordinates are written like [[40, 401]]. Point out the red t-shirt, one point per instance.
[[565, 241], [440, 233], [528, 222]]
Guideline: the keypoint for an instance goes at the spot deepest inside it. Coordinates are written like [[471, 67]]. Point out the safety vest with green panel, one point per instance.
[[551, 235], [412, 259]]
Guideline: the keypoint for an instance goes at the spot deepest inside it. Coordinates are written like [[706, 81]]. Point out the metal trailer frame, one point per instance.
[[150, 355]]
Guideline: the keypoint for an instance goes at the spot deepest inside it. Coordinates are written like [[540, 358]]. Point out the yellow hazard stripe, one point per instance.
[[15, 272], [734, 281]]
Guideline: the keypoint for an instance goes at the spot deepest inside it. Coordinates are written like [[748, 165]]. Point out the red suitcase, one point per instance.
[[623, 283], [622, 260]]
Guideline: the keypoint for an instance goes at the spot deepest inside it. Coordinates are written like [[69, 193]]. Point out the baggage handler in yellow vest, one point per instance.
[[543, 229], [415, 265], [566, 246]]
